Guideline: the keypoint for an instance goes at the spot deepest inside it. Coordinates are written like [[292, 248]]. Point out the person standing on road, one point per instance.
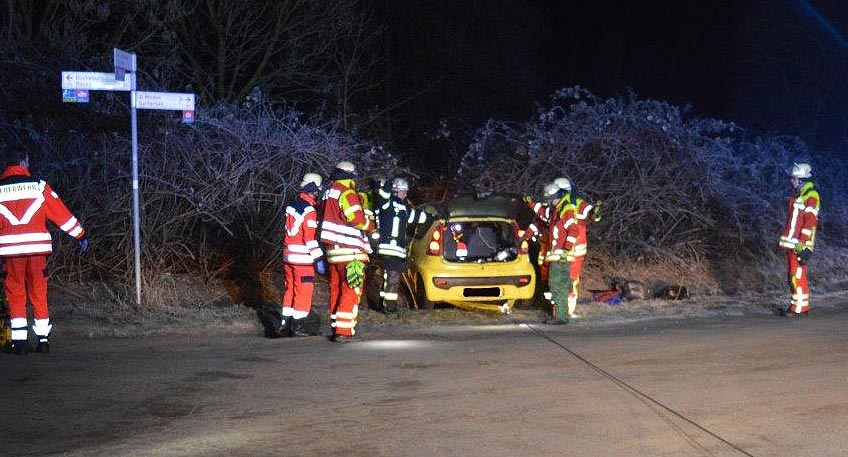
[[799, 236], [344, 226], [562, 237], [394, 214], [583, 213], [538, 238], [302, 257], [26, 204]]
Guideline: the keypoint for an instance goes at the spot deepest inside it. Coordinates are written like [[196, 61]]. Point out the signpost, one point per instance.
[[75, 89]]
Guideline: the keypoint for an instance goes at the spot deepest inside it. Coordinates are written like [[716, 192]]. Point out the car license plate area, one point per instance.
[[481, 292]]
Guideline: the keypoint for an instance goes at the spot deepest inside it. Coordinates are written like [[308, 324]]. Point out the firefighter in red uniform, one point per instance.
[[799, 236], [562, 239], [583, 212], [344, 228], [302, 257], [26, 204], [538, 237]]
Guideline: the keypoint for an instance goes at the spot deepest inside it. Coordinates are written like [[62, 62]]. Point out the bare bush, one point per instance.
[[212, 194], [675, 186]]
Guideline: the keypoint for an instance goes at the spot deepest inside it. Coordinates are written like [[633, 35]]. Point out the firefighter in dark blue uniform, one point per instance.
[[394, 214]]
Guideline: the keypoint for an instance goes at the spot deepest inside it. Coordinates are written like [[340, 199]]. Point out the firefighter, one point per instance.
[[344, 228], [302, 257], [562, 238], [537, 236], [583, 212], [799, 236], [394, 214], [26, 204]]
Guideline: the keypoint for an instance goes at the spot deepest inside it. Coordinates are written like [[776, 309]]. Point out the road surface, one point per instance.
[[734, 386]]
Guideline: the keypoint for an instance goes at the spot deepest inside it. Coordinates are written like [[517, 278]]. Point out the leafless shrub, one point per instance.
[[675, 186], [212, 194]]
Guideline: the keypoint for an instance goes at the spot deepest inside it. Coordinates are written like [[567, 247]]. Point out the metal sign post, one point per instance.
[[125, 62], [75, 87]]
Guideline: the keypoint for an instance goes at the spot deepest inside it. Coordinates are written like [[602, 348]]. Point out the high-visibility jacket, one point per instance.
[[571, 211], [26, 204], [582, 212], [802, 218], [393, 217], [300, 246], [563, 233], [344, 224]]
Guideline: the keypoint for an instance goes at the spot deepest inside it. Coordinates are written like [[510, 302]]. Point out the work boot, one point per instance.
[[284, 330], [343, 338], [298, 327], [19, 348], [43, 345], [554, 321]]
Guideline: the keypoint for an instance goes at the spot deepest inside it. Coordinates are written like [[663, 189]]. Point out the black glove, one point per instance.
[[804, 256], [83, 244]]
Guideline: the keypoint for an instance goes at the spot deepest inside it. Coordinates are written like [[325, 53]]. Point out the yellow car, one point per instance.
[[472, 255]]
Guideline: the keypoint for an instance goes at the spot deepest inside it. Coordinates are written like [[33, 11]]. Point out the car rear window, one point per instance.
[[485, 241]]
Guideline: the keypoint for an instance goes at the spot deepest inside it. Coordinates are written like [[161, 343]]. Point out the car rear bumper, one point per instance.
[[516, 287], [442, 282]]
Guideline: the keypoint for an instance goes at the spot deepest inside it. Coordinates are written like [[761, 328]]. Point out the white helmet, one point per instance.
[[550, 190], [311, 182], [801, 171], [400, 184], [346, 166], [563, 183]]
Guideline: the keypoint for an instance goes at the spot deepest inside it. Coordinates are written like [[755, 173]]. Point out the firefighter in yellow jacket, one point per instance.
[[344, 228]]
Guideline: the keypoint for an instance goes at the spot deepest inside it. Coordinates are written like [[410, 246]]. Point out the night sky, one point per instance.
[[765, 64]]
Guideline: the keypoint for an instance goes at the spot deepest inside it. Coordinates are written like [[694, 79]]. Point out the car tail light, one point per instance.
[[523, 246], [434, 247]]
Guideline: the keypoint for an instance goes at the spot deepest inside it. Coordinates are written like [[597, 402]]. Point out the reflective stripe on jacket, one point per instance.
[[802, 218], [563, 234], [393, 217], [343, 223], [301, 244], [26, 204]]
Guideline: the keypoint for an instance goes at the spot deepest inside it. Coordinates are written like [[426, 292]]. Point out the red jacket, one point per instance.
[[563, 233], [344, 224], [802, 219], [301, 245], [26, 204]]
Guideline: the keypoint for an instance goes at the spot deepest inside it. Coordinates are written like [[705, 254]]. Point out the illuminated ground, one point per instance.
[[742, 385]]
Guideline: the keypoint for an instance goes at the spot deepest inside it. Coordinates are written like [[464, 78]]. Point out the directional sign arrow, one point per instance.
[[163, 100], [93, 80]]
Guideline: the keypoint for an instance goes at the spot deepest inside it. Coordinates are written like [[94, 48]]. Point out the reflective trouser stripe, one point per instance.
[[343, 300], [19, 328], [389, 289], [25, 277], [41, 327], [291, 312], [798, 284], [300, 284]]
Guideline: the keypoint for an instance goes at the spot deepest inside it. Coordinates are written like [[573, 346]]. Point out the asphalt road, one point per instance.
[[758, 385]]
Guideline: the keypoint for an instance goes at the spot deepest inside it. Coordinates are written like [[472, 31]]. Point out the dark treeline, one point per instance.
[[421, 76]]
